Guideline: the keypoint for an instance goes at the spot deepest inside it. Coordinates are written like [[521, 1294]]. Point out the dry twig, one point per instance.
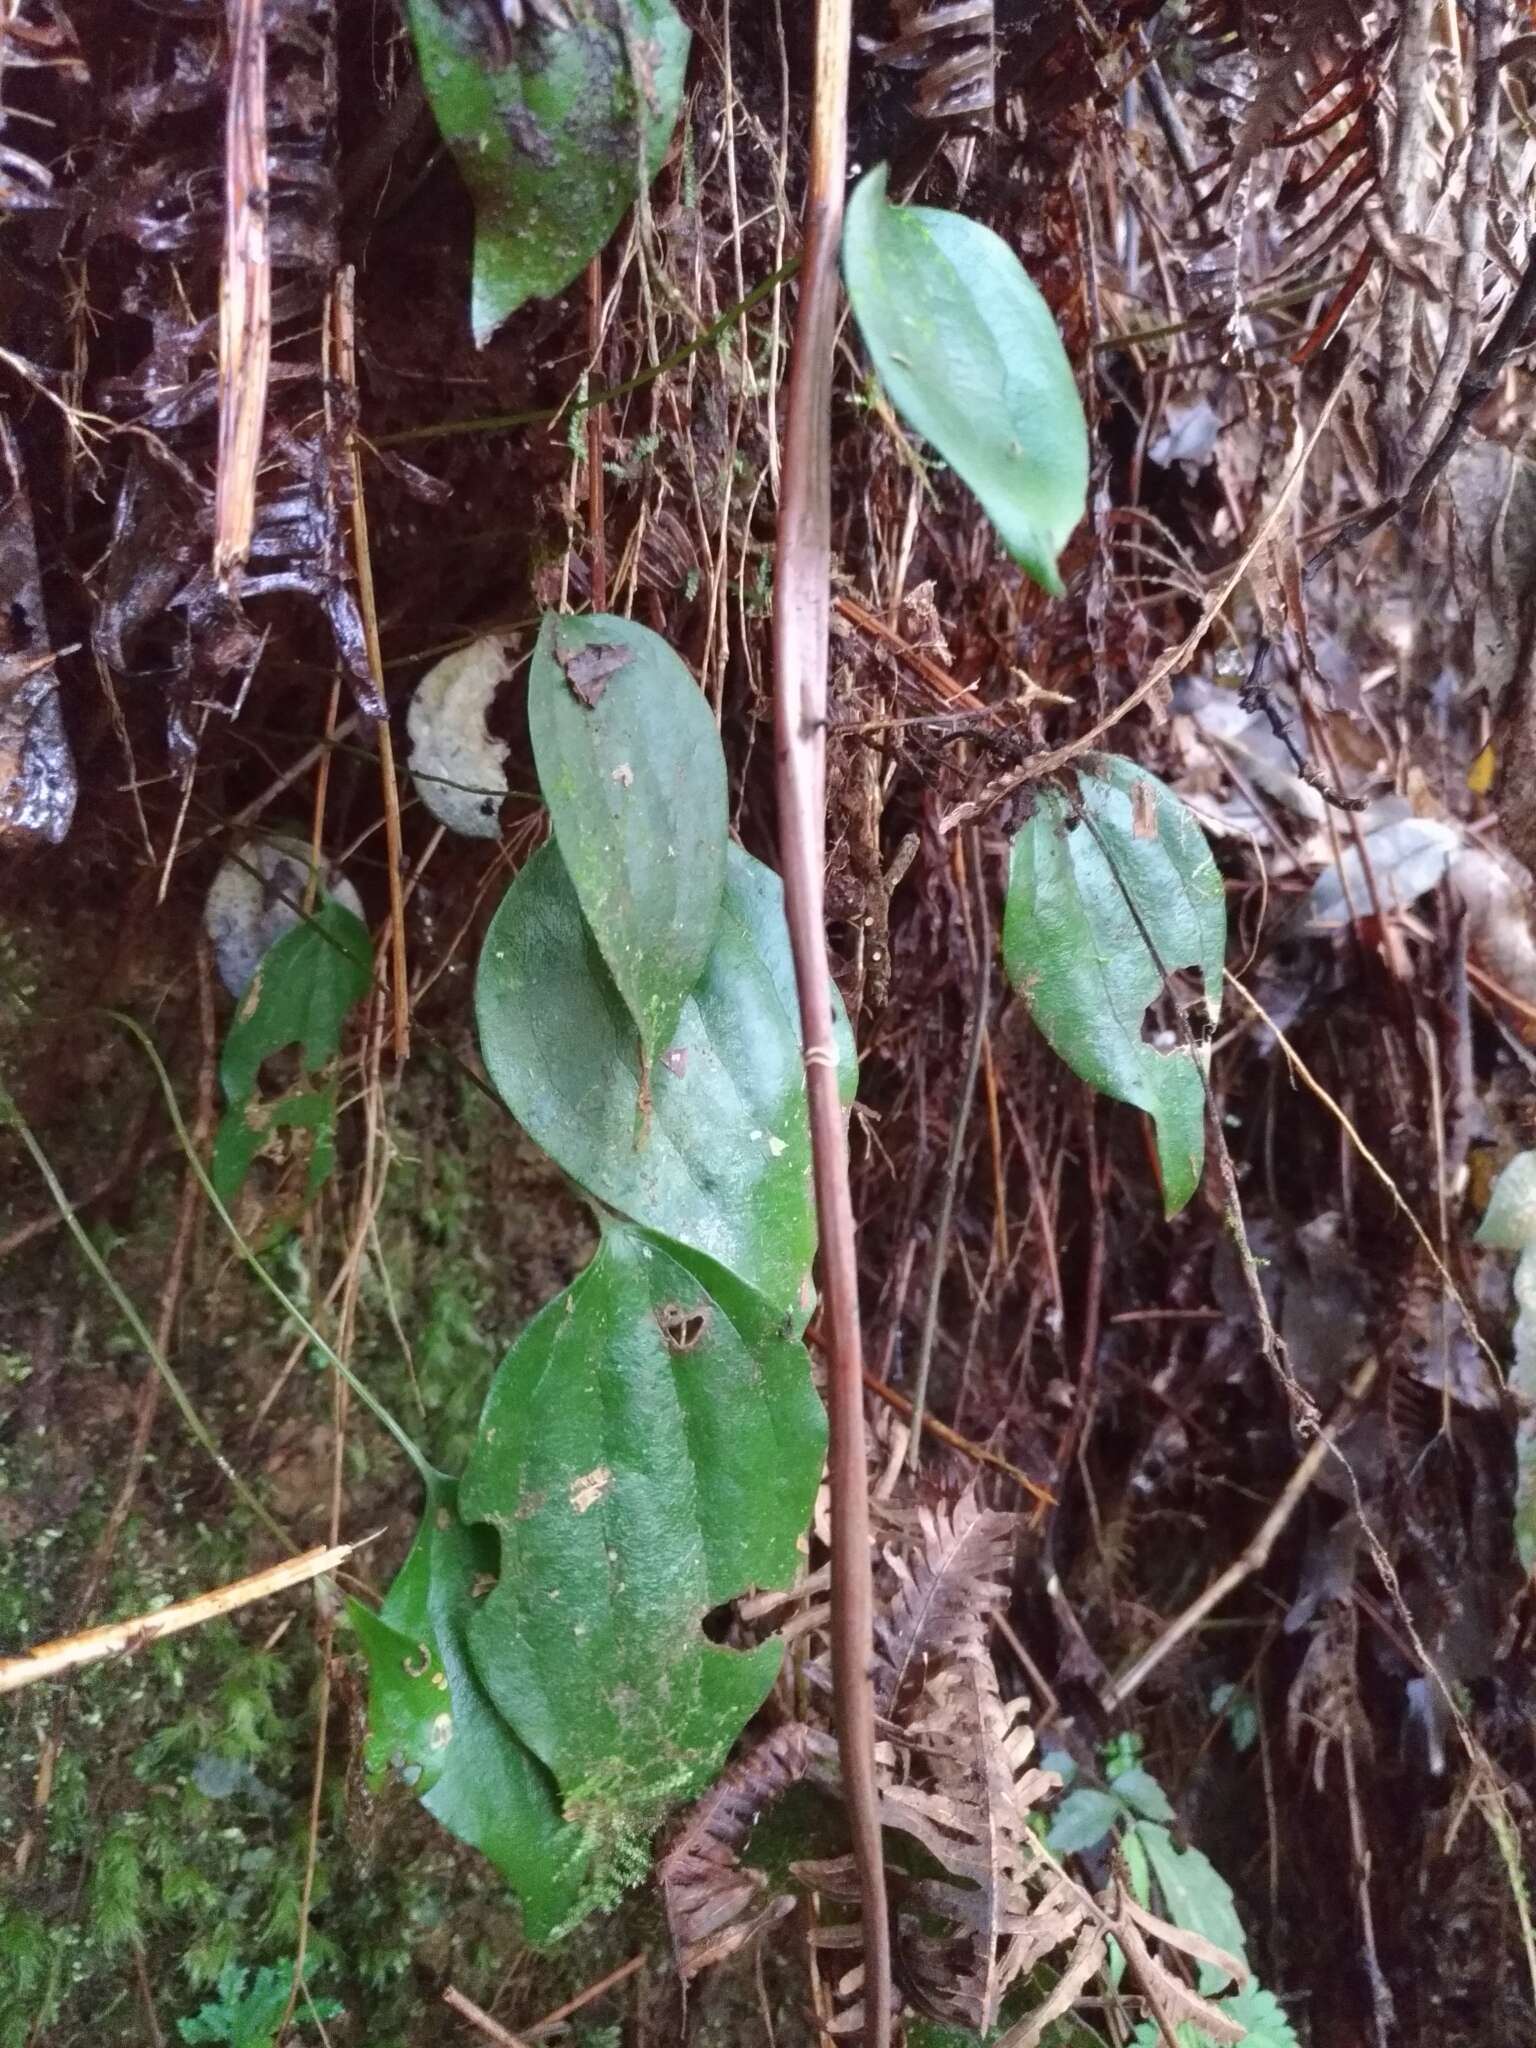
[[122, 1638], [800, 627]]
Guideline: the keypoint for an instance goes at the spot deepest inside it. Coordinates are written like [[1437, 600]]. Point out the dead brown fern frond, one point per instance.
[[707, 1890], [953, 45], [956, 1573]]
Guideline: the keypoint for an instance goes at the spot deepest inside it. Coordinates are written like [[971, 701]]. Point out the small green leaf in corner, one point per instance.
[[552, 126]]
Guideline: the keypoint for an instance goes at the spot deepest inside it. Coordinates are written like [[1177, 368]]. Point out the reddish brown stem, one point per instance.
[[802, 571]]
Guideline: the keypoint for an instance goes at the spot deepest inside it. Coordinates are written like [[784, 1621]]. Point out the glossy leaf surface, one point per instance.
[[720, 1158], [631, 767], [431, 1720], [967, 351], [650, 1448]]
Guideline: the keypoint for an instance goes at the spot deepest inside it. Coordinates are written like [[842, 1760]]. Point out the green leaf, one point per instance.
[[1140, 1790], [721, 1159], [969, 355], [1253, 2007], [249, 2010], [1196, 1896], [650, 1448], [630, 763], [1509, 1221], [430, 1719], [1262, 2014], [1236, 1707], [1082, 1820], [300, 995], [552, 131], [1075, 950], [246, 1127]]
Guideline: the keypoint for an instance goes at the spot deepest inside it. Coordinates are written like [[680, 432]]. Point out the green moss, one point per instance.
[[173, 1844]]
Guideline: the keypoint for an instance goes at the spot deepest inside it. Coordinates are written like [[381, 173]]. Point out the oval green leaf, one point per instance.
[[550, 128], [967, 352], [631, 767], [430, 1719], [720, 1157], [1077, 951], [650, 1447]]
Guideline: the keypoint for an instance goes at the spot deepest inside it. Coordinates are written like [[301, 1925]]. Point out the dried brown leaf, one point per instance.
[[943, 1594], [38, 785], [706, 1889], [1086, 1958], [1184, 1939], [1169, 1996]]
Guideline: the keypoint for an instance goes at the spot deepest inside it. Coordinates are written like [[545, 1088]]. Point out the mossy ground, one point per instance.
[[156, 1811]]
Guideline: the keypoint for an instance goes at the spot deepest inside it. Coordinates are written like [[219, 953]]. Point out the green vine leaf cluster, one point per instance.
[[1111, 888], [1182, 1884], [651, 1444]]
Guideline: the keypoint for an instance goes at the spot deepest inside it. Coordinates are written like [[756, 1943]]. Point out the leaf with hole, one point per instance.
[[719, 1158], [631, 767], [431, 1720], [246, 1130], [455, 763], [967, 351], [1106, 891], [649, 1449], [553, 128], [300, 995]]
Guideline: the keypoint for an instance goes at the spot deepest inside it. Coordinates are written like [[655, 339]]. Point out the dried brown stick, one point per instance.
[[245, 296], [802, 573], [943, 1434], [596, 518], [120, 1638], [1250, 1559], [593, 1991], [1399, 192], [481, 2020], [343, 302]]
